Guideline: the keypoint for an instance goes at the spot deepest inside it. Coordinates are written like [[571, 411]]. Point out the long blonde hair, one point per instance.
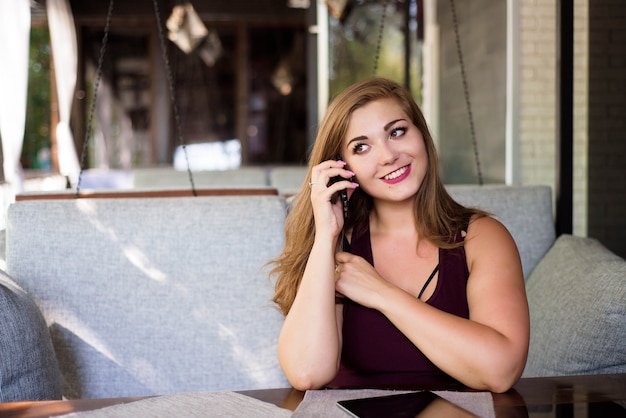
[[437, 216]]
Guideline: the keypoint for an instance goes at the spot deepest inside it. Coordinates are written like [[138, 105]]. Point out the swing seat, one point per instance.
[[286, 179], [163, 178]]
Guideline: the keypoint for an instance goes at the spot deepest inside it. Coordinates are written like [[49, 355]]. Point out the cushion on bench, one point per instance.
[[153, 296], [28, 366], [577, 301]]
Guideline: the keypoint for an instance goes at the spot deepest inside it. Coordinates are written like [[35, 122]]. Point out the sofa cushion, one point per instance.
[[577, 297], [28, 366], [156, 295]]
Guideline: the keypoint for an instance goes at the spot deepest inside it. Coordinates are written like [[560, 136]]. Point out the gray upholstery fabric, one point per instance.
[[153, 296], [287, 180], [577, 300], [28, 366], [526, 211], [168, 178]]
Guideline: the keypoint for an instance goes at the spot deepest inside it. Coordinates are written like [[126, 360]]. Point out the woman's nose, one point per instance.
[[387, 154]]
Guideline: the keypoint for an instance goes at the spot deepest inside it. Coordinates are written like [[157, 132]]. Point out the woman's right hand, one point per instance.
[[329, 216]]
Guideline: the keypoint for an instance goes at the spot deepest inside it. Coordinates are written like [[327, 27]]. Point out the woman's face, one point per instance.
[[385, 150]]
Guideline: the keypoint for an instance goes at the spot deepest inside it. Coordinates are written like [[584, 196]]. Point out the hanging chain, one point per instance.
[[466, 92], [379, 41], [96, 86], [170, 82]]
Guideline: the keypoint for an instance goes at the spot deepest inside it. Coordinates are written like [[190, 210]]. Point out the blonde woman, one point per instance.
[[410, 287]]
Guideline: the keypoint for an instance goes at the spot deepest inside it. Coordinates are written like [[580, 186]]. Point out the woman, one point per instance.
[[411, 287]]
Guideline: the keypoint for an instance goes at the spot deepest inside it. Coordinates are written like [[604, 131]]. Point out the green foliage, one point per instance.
[[353, 45], [36, 149]]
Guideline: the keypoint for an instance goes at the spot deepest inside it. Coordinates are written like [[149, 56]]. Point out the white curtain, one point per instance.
[[14, 47], [64, 50]]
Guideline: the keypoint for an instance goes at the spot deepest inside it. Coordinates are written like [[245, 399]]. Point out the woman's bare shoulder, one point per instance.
[[486, 227], [489, 242]]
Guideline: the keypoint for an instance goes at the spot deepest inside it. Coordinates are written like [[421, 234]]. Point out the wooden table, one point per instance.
[[567, 396]]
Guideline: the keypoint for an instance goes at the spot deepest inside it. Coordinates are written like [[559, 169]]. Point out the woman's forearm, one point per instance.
[[309, 344], [476, 354]]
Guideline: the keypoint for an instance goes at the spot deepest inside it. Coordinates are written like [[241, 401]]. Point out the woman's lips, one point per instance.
[[397, 175]]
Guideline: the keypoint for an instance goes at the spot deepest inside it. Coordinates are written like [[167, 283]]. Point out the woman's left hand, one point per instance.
[[357, 279]]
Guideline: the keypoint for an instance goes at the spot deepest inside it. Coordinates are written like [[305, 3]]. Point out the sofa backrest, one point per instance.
[[526, 211], [156, 295]]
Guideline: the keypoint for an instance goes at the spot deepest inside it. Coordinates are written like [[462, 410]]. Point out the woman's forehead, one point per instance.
[[377, 112]]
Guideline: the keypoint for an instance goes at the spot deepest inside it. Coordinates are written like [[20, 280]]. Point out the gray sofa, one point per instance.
[[162, 295]]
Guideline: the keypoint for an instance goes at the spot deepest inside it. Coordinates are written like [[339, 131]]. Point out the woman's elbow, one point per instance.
[[502, 380], [305, 371], [501, 385], [306, 381], [504, 370]]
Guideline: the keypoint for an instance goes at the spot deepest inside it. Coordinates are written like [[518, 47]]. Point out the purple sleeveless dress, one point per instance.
[[375, 353]]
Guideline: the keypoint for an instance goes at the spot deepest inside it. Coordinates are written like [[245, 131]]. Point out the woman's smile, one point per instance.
[[398, 175]]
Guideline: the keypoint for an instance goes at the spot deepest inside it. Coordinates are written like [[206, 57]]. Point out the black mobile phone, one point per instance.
[[343, 194]]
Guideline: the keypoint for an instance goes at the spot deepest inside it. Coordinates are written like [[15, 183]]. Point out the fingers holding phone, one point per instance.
[[330, 182]]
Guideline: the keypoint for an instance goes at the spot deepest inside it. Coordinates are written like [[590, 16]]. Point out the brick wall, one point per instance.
[[537, 91], [581, 114]]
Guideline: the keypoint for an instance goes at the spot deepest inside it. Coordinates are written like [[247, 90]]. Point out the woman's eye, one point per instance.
[[399, 131], [359, 148]]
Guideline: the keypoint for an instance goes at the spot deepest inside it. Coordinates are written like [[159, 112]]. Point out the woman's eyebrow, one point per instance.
[[356, 139], [393, 122], [385, 128]]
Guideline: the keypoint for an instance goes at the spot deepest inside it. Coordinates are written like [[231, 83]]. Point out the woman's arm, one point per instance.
[[488, 350], [309, 345]]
